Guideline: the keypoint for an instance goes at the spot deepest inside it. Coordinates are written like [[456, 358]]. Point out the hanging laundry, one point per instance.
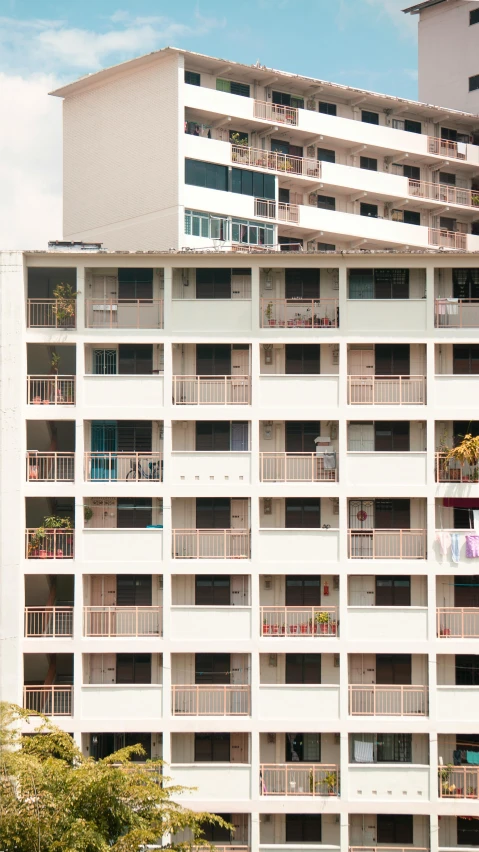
[[472, 757], [456, 757], [330, 461], [455, 548], [444, 540], [475, 519], [472, 546], [363, 752]]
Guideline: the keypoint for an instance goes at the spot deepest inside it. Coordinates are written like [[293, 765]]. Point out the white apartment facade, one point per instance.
[[264, 534], [178, 150]]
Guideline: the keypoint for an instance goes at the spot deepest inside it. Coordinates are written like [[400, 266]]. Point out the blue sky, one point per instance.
[[43, 43]]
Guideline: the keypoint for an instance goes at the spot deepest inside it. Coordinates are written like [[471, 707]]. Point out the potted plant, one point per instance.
[[293, 628], [331, 780], [39, 546], [447, 789], [322, 622], [471, 793], [88, 515], [467, 451], [266, 627], [304, 627], [268, 312]]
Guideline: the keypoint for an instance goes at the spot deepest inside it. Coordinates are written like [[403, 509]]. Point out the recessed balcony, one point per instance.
[[124, 298], [458, 782], [122, 686], [51, 299], [387, 607], [388, 766], [121, 529], [123, 467], [51, 622], [387, 374], [299, 621], [211, 390], [456, 293], [396, 685], [211, 451], [48, 684], [52, 700], [387, 544], [295, 529], [211, 544], [457, 688], [108, 621], [298, 298], [304, 374], [397, 700], [303, 779], [268, 111], [386, 390], [211, 607], [202, 700]]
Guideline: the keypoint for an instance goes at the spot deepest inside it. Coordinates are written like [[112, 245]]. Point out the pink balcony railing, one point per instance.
[[212, 390], [457, 313], [122, 621], [450, 470], [297, 467], [211, 544], [443, 193], [386, 390], [266, 209], [202, 700], [124, 467], [49, 700], [48, 621], [458, 622], [447, 239], [257, 158], [445, 148], [299, 779], [124, 313], [299, 313], [275, 112], [50, 467], [50, 544], [374, 700], [387, 544], [298, 621], [388, 849], [51, 390], [458, 782], [45, 313]]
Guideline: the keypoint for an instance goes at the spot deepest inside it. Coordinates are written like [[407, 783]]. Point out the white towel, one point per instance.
[[363, 752], [475, 518], [462, 149]]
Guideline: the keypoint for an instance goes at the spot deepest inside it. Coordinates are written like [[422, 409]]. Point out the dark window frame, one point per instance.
[[369, 117], [192, 78]]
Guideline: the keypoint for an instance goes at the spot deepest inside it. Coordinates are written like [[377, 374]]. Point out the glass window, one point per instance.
[[474, 17], [303, 668], [474, 83], [285, 99], [467, 670], [327, 109], [369, 117], [368, 210], [252, 233], [303, 513], [192, 78], [303, 747], [411, 217], [447, 177], [325, 155], [394, 748], [368, 163], [326, 202], [133, 668], [214, 589], [303, 828], [465, 359], [104, 362], [239, 137], [212, 748], [232, 87], [206, 225], [412, 126], [449, 133], [395, 828], [134, 513], [253, 183], [326, 247], [393, 591], [412, 172], [213, 283], [208, 175]]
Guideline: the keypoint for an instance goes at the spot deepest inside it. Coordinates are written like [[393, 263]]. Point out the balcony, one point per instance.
[[448, 239], [458, 622], [302, 391], [299, 779], [397, 700], [386, 390], [49, 700], [450, 470], [456, 313], [117, 702], [299, 313], [204, 623], [211, 544], [213, 781], [50, 467], [393, 467], [296, 467], [446, 148], [51, 622], [276, 210], [268, 111], [458, 782], [443, 193], [298, 621], [124, 313], [211, 390], [108, 621], [44, 543], [50, 313], [123, 467], [387, 623], [51, 390], [387, 544], [293, 702], [202, 700], [282, 163]]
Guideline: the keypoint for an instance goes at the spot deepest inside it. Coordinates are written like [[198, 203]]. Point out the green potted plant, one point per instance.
[[65, 305], [40, 546], [331, 781], [268, 312], [447, 789], [87, 513], [321, 620]]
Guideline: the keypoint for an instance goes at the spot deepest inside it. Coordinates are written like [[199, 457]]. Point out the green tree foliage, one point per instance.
[[52, 799]]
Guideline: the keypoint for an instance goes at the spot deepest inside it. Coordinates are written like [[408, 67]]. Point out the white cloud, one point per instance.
[[30, 162], [406, 24]]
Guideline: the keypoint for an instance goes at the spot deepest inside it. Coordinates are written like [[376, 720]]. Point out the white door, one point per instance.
[[361, 362], [361, 591], [238, 747], [239, 590], [103, 590], [239, 514], [361, 437], [240, 362]]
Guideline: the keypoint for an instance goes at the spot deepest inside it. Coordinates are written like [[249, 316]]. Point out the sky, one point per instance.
[[370, 44]]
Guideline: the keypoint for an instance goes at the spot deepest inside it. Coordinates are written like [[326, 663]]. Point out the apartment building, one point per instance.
[[230, 530], [192, 151]]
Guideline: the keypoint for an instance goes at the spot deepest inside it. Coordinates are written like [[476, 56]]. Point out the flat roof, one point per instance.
[[414, 10], [228, 68], [292, 257]]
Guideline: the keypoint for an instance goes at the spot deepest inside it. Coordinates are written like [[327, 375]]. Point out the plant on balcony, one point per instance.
[[467, 452], [37, 540], [237, 138], [268, 312], [447, 789], [54, 363], [87, 513], [475, 200], [322, 622], [64, 309], [331, 781]]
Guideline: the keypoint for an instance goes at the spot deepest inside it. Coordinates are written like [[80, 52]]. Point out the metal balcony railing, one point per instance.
[[447, 239], [49, 543], [299, 779], [450, 470], [299, 313], [386, 390], [458, 622], [124, 313], [50, 313], [457, 313], [122, 621], [298, 621], [211, 390], [50, 467], [443, 193], [266, 209], [387, 544], [446, 148], [458, 782], [48, 621], [49, 700], [285, 164], [51, 390], [211, 544], [297, 467], [397, 700], [275, 112], [202, 700], [124, 467]]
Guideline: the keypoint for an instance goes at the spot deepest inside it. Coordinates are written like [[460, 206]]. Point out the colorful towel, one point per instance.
[[455, 548], [472, 546]]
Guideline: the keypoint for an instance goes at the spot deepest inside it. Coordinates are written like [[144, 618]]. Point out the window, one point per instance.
[[303, 590], [213, 283], [303, 747], [278, 146], [290, 243], [467, 828], [395, 828], [391, 283], [392, 514], [133, 668], [284, 99], [212, 590], [412, 126], [133, 513], [212, 748], [303, 359], [466, 590], [216, 833], [303, 668], [474, 17], [192, 78], [212, 436], [212, 668], [409, 217], [253, 183], [135, 359], [133, 590], [447, 224], [104, 362], [393, 591], [449, 134], [252, 233], [326, 202], [283, 196], [300, 435], [393, 669], [392, 359], [327, 109], [302, 283], [368, 210], [391, 436], [394, 748], [213, 513], [213, 359], [467, 670], [303, 828], [326, 155], [474, 83], [465, 283], [448, 178], [207, 175], [326, 247], [303, 513], [206, 225], [369, 117], [368, 163], [412, 172], [134, 437], [135, 284], [465, 359], [232, 87]]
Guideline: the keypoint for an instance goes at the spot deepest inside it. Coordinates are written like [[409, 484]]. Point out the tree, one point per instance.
[[52, 799]]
